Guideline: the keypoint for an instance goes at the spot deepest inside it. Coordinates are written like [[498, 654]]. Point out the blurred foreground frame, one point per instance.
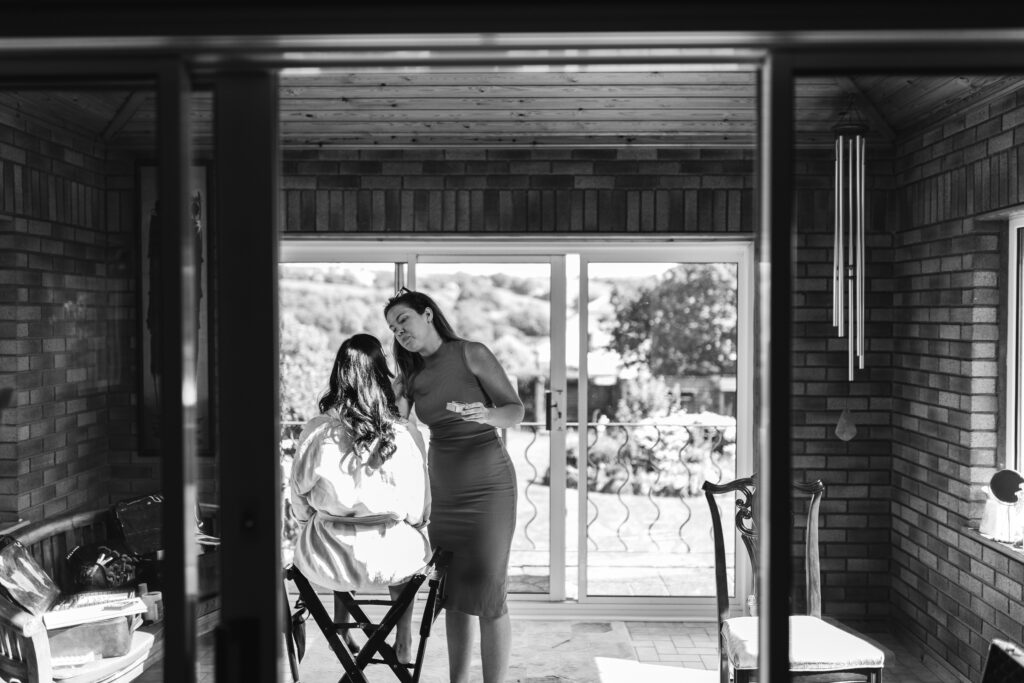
[[150, 307]]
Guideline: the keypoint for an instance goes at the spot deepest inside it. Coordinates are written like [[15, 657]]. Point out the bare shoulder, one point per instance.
[[478, 355]]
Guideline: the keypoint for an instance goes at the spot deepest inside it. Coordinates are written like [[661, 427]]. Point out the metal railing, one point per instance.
[[662, 463]]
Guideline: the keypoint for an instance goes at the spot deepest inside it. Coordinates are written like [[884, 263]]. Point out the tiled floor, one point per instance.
[[550, 651]]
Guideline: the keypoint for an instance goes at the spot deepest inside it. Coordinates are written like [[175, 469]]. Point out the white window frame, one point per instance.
[[738, 248], [1015, 344]]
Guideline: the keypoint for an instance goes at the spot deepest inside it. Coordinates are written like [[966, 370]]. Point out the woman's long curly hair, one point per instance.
[[360, 390], [409, 363]]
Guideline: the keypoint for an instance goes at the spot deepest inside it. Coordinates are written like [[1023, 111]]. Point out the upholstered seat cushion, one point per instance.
[[814, 645]]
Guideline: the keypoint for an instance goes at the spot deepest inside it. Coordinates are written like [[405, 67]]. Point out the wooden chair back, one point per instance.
[[50, 541], [745, 522]]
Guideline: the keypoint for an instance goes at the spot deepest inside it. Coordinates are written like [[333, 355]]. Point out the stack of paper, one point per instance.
[[96, 605]]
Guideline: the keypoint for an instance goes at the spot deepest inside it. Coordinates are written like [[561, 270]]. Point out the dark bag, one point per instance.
[[22, 580], [141, 522], [102, 565]]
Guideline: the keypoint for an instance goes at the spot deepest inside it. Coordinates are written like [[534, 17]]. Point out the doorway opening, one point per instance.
[[655, 363]]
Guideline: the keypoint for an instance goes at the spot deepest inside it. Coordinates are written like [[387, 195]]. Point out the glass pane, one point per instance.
[[1016, 459], [207, 485], [81, 339], [661, 397], [321, 305], [507, 306]]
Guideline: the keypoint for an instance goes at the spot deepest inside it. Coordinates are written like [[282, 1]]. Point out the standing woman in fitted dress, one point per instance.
[[472, 481]]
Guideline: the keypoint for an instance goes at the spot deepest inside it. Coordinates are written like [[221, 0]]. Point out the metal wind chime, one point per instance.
[[848, 243]]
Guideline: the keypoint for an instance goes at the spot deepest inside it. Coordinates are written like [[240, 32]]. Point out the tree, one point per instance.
[[515, 357], [306, 360], [530, 319], [685, 324]]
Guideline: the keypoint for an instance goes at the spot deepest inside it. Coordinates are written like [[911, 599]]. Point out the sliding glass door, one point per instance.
[[663, 376], [515, 305], [646, 345]]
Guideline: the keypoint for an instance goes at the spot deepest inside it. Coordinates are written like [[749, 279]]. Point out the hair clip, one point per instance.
[[402, 291]]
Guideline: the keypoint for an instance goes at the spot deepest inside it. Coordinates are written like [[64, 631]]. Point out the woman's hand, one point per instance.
[[500, 417], [476, 412]]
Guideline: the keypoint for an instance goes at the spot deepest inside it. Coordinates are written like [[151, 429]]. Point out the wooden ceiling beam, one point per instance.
[[125, 112]]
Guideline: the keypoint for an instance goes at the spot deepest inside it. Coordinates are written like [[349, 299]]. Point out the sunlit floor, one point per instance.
[[550, 651]]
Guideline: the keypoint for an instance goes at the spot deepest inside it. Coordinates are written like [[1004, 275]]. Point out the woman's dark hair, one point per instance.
[[409, 363], [360, 388]]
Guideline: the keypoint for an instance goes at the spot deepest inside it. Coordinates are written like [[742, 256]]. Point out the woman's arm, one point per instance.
[[401, 400], [300, 481], [416, 488], [417, 436], [507, 410]]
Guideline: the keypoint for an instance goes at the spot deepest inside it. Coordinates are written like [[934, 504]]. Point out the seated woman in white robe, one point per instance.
[[359, 487]]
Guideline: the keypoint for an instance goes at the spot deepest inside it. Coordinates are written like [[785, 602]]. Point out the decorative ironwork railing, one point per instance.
[[661, 463]]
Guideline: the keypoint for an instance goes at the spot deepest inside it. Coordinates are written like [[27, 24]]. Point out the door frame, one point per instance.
[[735, 247], [557, 380], [704, 251]]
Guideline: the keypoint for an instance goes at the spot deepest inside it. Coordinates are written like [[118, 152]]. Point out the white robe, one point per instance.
[[358, 527]]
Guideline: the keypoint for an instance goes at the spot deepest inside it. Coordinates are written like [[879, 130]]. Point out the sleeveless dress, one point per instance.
[[472, 484]]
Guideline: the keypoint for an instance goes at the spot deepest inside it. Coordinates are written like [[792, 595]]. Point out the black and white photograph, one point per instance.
[[511, 342]]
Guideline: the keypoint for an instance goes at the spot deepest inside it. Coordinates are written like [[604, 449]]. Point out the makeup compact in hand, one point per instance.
[[456, 406]]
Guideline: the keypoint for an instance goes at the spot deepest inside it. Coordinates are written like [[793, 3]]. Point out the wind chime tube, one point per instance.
[[860, 251], [840, 258], [851, 255], [835, 239]]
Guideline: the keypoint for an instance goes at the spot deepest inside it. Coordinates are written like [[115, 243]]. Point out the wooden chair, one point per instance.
[[815, 646], [24, 644]]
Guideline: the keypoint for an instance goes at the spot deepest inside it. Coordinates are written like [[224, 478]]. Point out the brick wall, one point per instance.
[[512, 190], [66, 322], [855, 524], [950, 590]]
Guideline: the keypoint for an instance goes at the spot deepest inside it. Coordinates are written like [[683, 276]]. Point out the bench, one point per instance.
[[24, 646]]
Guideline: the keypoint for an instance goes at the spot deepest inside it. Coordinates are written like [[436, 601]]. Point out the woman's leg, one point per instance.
[[495, 647], [458, 628], [403, 629]]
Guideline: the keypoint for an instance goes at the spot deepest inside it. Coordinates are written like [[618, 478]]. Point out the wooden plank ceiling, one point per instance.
[[536, 107]]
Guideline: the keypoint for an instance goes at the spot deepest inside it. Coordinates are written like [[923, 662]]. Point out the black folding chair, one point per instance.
[[376, 632]]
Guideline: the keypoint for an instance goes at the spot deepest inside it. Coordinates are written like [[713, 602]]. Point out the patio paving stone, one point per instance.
[[583, 651]]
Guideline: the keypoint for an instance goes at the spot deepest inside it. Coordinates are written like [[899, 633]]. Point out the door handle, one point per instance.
[[547, 410], [553, 411]]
